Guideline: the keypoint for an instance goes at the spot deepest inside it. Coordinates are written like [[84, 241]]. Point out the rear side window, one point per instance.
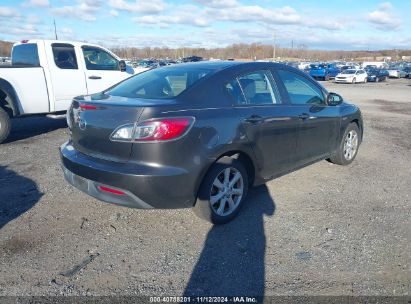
[[300, 90], [258, 88], [98, 59], [25, 55], [235, 93], [160, 83], [64, 56]]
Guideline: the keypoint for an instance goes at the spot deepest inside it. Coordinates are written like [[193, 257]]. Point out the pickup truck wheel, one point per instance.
[[5, 125], [222, 191], [348, 148]]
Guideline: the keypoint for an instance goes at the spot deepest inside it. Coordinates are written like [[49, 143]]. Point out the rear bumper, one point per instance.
[[142, 186]]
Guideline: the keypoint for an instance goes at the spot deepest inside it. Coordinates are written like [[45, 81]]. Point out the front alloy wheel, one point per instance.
[[350, 145], [348, 148]]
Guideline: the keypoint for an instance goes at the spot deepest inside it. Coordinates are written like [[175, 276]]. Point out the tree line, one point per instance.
[[253, 51]]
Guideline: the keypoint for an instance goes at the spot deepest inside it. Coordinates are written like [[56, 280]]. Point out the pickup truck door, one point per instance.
[[67, 79], [102, 69]]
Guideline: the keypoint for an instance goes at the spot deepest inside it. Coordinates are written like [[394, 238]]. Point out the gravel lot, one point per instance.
[[323, 230]]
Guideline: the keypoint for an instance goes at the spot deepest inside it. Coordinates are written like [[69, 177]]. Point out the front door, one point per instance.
[[102, 69], [318, 122]]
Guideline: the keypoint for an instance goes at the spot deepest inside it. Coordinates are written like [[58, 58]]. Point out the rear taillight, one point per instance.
[[163, 129]]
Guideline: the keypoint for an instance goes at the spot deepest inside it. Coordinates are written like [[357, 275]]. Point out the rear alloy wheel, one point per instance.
[[348, 147], [354, 80], [365, 80], [222, 191], [377, 79], [5, 125]]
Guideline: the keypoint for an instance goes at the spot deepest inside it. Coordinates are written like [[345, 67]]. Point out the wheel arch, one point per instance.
[[10, 105], [245, 158], [359, 125]]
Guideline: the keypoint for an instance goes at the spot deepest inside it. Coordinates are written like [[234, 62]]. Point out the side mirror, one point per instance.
[[333, 99], [122, 65]]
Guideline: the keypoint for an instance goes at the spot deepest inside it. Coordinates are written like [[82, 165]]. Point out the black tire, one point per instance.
[[5, 125], [203, 208], [338, 156], [354, 80], [377, 79], [327, 78]]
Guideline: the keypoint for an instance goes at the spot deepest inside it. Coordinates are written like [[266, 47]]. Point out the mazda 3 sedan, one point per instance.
[[198, 135]]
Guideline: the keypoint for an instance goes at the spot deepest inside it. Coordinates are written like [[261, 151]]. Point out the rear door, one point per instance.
[[66, 78], [318, 123], [102, 69], [270, 128]]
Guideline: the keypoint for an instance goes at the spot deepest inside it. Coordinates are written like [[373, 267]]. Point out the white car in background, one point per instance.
[[397, 72], [352, 76]]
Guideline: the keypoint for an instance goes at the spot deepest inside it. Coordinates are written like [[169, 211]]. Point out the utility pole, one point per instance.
[[274, 46], [55, 29]]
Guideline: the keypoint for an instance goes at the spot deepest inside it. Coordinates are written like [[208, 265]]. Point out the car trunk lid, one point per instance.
[[92, 119]]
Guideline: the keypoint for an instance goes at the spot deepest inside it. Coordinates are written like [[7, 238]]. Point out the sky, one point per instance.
[[312, 24]]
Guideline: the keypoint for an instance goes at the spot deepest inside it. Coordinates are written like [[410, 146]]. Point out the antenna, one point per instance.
[[55, 29]]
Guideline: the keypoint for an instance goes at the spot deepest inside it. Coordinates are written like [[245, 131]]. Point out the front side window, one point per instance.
[[159, 83], [300, 90], [25, 55], [258, 89], [64, 56], [98, 59]]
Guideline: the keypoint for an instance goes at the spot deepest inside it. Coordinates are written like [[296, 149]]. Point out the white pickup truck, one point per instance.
[[45, 75]]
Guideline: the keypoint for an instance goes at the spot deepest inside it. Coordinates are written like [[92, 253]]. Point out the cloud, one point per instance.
[[26, 29], [6, 11], [139, 6], [206, 16], [165, 21], [324, 24], [84, 10], [385, 6], [218, 3], [182, 14], [384, 18], [114, 13], [255, 13], [42, 3]]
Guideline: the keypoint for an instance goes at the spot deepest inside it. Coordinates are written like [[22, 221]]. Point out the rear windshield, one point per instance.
[[161, 83], [349, 72], [25, 55]]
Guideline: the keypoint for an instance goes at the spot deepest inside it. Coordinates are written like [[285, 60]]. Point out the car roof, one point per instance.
[[224, 65]]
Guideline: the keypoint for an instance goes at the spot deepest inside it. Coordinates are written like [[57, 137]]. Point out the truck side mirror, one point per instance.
[[122, 65]]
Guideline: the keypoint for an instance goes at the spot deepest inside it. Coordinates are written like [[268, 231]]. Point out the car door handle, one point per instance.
[[303, 116], [254, 119], [94, 77]]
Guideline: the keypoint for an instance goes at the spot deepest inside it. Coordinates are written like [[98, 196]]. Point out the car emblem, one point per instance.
[[82, 124]]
